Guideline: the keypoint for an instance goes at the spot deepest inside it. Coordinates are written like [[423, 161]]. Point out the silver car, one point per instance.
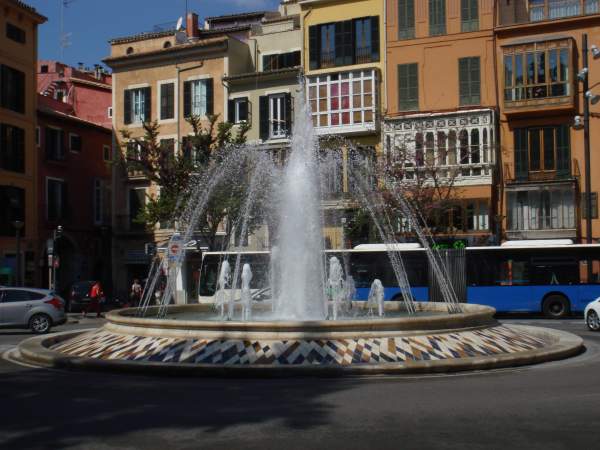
[[37, 309]]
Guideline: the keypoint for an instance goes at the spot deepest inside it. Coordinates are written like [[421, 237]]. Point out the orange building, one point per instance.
[[441, 117], [539, 56]]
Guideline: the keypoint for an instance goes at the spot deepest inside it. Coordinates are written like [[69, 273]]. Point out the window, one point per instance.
[[12, 148], [74, 142], [275, 116], [238, 110], [137, 105], [109, 112], [15, 33], [44, 68], [344, 43], [343, 99], [137, 200], [55, 149], [594, 205], [469, 81], [12, 89], [57, 200], [98, 202], [541, 71], [167, 101], [542, 150], [198, 97], [167, 44], [60, 95], [437, 17], [129, 50], [281, 60], [37, 136], [555, 9], [408, 87], [12, 200], [406, 19], [469, 15], [541, 208], [106, 153]]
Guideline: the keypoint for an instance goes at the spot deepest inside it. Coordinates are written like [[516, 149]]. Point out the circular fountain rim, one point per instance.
[[473, 316]]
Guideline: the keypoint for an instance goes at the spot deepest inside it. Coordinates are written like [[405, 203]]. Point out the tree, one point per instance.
[[173, 174]]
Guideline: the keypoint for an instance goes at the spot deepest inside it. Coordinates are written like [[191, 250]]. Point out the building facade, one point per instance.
[[344, 65], [539, 47], [441, 124], [18, 155], [165, 77]]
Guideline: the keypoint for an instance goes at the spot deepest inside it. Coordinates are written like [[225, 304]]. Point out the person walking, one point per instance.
[[136, 293], [96, 295]]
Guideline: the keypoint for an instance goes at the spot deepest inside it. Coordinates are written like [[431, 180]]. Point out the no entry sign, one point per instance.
[[175, 247]]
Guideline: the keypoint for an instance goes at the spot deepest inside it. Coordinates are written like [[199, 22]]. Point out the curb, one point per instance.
[[562, 345]]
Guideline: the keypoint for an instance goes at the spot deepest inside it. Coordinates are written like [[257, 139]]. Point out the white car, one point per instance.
[[592, 315]]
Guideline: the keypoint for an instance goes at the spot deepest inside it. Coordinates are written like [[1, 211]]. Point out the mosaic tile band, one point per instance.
[[499, 340]]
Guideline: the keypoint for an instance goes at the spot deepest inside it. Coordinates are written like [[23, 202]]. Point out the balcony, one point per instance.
[[538, 76], [556, 9]]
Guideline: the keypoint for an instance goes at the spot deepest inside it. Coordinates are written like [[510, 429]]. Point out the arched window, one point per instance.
[[167, 44], [419, 160], [429, 150], [441, 147], [452, 148], [129, 50], [463, 140], [475, 150]]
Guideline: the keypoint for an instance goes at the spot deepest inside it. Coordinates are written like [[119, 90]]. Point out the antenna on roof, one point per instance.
[[179, 24], [64, 38]]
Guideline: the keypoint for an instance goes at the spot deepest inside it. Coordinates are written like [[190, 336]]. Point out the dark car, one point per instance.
[[79, 295]]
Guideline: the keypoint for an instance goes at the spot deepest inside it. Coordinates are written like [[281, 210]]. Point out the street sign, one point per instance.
[[50, 246], [175, 247]]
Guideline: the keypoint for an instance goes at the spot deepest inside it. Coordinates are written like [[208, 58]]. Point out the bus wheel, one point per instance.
[[556, 307]]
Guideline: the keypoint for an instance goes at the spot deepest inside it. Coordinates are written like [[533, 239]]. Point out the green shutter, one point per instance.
[[408, 87], [210, 97], [313, 47], [127, 106], [469, 81], [437, 17], [406, 19], [563, 151], [521, 154]]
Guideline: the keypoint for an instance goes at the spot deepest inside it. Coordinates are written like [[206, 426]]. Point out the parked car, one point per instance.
[[592, 315], [37, 309]]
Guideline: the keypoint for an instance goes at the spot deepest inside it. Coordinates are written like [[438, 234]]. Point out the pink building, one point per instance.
[[74, 141]]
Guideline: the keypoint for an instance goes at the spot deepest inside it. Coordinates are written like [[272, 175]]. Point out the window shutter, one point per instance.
[[563, 152], [244, 109], [340, 43], [48, 142], [231, 111], [167, 101], [61, 151], [313, 47], [288, 114], [463, 81], [375, 38], [264, 117], [521, 154], [209, 97], [127, 107], [65, 209], [265, 63], [3, 146], [20, 149], [147, 104], [187, 99]]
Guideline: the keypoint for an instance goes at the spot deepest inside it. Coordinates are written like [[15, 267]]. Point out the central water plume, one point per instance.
[[300, 268]]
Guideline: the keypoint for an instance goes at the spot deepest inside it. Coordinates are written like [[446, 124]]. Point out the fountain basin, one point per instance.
[[428, 343]]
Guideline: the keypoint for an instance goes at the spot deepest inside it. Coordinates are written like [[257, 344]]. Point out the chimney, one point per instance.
[[191, 26]]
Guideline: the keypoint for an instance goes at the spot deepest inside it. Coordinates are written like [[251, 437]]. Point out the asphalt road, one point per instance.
[[551, 406]]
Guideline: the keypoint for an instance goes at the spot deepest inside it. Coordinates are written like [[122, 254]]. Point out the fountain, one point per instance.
[[311, 324]]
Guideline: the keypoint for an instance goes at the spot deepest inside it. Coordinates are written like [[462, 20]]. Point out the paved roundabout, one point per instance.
[[431, 342]]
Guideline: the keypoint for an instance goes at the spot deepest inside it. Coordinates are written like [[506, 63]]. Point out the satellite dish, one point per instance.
[[179, 23]]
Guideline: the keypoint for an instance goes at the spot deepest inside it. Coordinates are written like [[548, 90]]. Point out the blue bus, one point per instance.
[[549, 279]]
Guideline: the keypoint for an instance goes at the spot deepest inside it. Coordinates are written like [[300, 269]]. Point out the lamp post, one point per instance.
[[18, 224]]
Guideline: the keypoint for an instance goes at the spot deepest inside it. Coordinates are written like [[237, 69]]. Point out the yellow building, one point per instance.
[[18, 151], [344, 61]]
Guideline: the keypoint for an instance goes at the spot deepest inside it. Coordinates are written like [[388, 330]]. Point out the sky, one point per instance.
[[91, 23]]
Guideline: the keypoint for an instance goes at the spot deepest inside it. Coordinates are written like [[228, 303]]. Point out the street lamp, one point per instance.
[[18, 224]]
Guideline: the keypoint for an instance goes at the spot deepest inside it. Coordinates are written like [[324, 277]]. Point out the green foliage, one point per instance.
[[158, 163]]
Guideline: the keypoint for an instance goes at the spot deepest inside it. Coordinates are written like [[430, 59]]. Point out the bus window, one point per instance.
[[514, 273], [482, 268], [208, 278], [595, 271], [553, 271]]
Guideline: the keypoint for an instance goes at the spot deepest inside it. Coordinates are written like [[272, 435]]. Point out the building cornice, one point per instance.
[[269, 74], [47, 111], [552, 24], [29, 10]]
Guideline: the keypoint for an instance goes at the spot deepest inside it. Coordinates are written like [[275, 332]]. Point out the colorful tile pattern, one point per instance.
[[465, 344]]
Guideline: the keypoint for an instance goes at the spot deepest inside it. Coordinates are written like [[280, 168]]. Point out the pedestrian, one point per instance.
[[96, 295], [136, 293]]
